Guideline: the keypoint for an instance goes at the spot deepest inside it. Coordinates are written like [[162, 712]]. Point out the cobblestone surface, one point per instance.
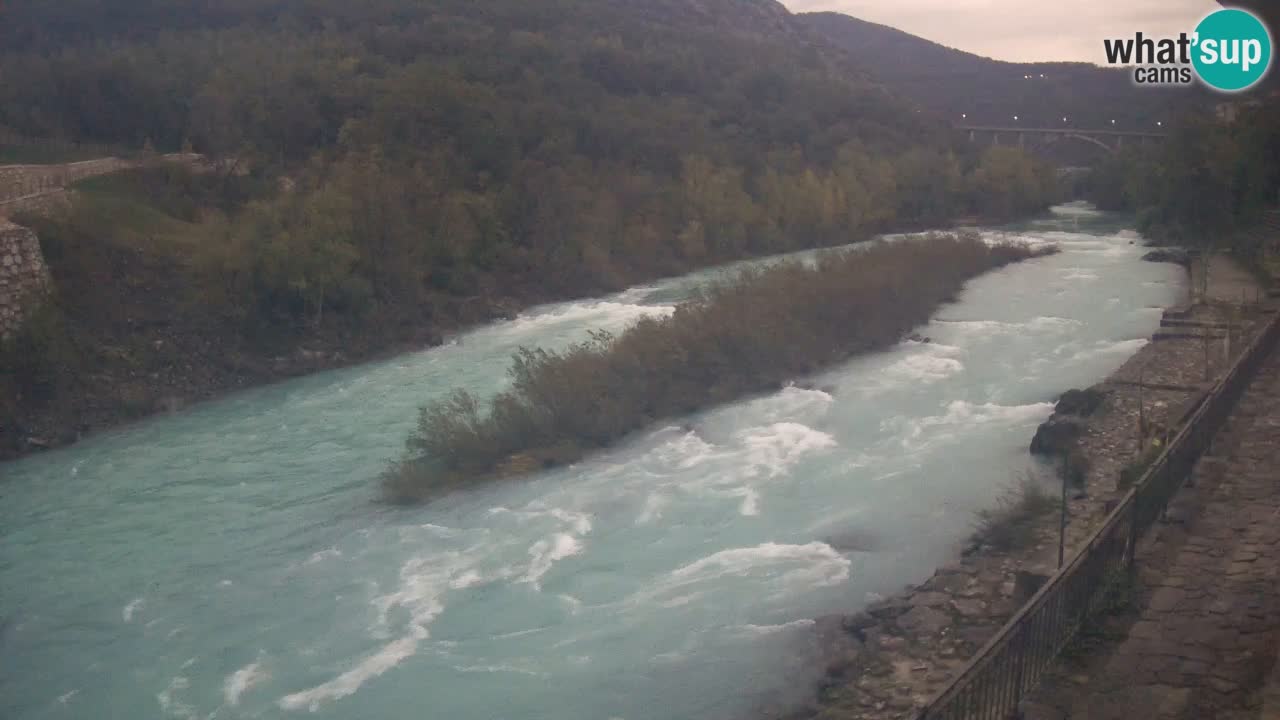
[[890, 659], [1204, 643]]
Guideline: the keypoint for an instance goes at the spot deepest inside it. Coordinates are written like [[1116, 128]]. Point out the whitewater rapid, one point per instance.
[[230, 561]]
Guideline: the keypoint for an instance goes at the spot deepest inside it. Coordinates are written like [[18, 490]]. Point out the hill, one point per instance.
[[953, 83], [400, 169]]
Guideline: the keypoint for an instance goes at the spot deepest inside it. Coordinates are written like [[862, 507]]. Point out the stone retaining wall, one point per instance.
[[24, 279]]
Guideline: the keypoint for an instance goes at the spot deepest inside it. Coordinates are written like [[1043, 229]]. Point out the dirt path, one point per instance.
[[1204, 643]]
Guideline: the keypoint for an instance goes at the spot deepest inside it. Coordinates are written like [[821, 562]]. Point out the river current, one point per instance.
[[231, 561]]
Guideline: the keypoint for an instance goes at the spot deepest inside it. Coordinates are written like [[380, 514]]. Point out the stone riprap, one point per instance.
[[24, 279]]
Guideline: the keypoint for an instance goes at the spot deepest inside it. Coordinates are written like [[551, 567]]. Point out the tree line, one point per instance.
[[408, 155], [1205, 185], [389, 171]]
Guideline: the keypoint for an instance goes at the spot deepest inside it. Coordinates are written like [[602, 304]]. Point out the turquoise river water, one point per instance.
[[232, 561]]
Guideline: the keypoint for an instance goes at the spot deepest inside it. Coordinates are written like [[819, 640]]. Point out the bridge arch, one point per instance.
[[1091, 139]]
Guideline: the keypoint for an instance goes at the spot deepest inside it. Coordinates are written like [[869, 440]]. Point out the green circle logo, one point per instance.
[[1232, 50]]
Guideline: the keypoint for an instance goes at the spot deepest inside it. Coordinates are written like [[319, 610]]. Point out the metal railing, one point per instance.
[[998, 677]]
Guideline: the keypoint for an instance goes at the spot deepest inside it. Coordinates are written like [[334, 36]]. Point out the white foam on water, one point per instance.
[[1077, 208], [169, 702], [652, 510], [466, 580], [65, 698], [687, 451], [323, 555], [1051, 322], [517, 633], [991, 328], [391, 655], [750, 630], [578, 521], [133, 607], [240, 681], [790, 402], [1120, 347], [545, 553], [498, 669], [914, 434], [728, 470], [925, 368], [791, 567], [423, 583], [440, 530], [770, 451], [616, 314], [1079, 274]]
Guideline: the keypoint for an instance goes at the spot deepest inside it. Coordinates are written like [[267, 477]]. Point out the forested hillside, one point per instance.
[[1207, 187], [953, 83], [395, 169]]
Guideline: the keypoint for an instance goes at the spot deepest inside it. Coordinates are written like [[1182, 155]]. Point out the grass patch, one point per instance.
[[743, 336], [1011, 523]]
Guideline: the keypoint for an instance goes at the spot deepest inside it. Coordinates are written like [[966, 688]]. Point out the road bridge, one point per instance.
[[1110, 140]]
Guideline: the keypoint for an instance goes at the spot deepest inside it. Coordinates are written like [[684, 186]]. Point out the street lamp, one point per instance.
[[1015, 118]]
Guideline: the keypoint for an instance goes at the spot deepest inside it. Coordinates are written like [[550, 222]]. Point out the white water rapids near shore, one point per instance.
[[230, 561]]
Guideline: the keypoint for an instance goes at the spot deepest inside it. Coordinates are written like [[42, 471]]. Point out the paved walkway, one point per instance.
[[1204, 645]]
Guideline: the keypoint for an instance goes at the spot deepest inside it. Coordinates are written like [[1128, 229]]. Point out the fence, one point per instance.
[[993, 683]]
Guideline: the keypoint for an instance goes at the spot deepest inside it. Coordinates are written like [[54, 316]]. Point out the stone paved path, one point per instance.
[[1204, 644]]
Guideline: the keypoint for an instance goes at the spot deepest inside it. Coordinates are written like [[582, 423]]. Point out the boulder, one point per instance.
[[1055, 436], [1079, 402], [1169, 255]]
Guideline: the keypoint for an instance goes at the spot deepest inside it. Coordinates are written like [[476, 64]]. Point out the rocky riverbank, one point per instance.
[[891, 658]]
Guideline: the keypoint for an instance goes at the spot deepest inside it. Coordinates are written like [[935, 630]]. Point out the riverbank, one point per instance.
[[889, 659], [111, 353]]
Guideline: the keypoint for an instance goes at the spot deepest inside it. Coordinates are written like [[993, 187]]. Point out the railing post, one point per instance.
[[1133, 535]]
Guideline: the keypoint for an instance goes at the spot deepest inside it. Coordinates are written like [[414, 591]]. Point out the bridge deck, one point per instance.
[[1062, 131]]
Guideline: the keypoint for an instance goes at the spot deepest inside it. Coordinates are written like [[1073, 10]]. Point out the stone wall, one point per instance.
[[24, 279], [22, 181]]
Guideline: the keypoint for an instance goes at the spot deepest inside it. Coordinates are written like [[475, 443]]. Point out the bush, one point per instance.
[[1130, 474], [1011, 524], [742, 336]]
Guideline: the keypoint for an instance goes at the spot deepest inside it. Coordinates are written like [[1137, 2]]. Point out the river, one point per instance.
[[231, 561]]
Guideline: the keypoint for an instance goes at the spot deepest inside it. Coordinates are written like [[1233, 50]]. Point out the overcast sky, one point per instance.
[[1024, 30]]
